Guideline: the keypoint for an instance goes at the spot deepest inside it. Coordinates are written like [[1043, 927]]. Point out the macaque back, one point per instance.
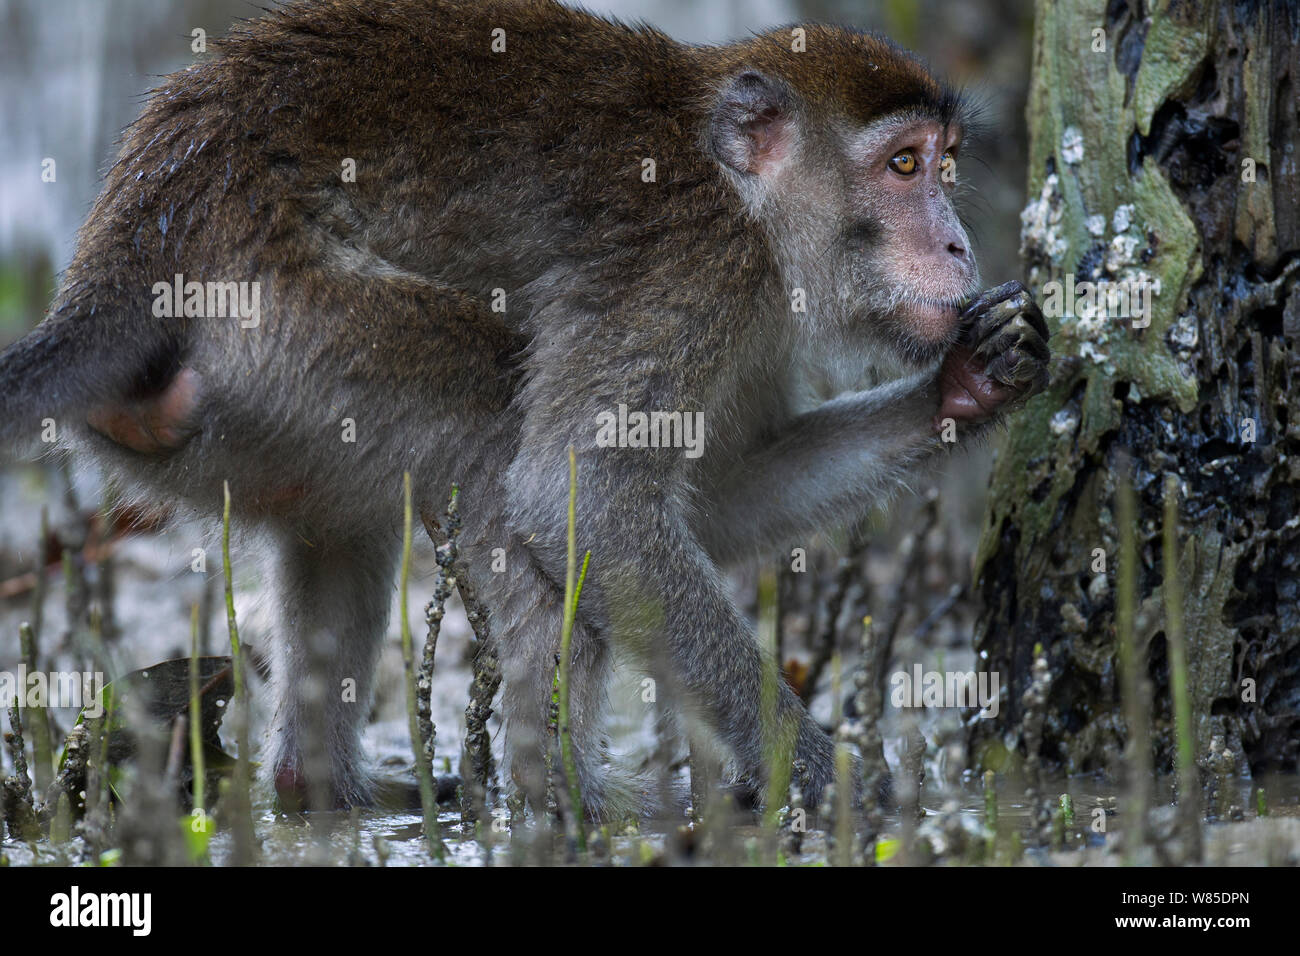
[[470, 232]]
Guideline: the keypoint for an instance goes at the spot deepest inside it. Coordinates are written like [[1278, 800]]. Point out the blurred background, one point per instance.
[[73, 73]]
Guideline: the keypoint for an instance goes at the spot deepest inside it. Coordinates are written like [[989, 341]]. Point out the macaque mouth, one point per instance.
[[934, 321]]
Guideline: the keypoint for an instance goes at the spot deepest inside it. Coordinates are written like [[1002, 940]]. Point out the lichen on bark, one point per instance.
[[1141, 163]]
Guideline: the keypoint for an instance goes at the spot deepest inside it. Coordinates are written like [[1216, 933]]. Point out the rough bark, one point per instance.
[[1154, 137]]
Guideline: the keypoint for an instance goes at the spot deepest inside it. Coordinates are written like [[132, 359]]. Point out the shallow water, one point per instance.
[[156, 588], [394, 838]]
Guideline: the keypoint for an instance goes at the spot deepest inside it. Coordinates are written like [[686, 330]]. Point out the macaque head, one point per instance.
[[847, 154]]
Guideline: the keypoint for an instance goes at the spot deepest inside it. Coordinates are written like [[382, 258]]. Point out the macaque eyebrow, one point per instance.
[[870, 143]]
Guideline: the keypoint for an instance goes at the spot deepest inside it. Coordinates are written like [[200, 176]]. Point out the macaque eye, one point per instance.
[[903, 163]]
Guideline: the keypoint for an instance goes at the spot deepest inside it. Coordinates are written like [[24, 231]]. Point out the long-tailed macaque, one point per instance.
[[454, 238]]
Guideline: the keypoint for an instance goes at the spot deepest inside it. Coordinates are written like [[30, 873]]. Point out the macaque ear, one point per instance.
[[752, 129]]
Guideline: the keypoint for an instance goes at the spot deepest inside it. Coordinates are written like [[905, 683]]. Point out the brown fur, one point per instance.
[[521, 171]]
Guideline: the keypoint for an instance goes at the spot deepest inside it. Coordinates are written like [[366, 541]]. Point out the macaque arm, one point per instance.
[[824, 469], [827, 467]]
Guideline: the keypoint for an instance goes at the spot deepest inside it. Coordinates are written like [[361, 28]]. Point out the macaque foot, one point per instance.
[[294, 792], [610, 794], [292, 795], [1000, 360]]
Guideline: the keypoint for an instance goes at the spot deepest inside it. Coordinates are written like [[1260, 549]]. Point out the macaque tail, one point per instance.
[[70, 365]]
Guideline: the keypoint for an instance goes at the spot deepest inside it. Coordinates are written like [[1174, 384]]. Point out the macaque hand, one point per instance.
[[1000, 360]]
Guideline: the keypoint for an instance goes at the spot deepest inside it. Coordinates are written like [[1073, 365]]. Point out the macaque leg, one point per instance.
[[528, 636], [334, 600], [662, 602], [695, 638]]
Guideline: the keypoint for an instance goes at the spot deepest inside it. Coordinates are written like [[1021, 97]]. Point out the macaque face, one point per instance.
[[906, 261], [860, 215]]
